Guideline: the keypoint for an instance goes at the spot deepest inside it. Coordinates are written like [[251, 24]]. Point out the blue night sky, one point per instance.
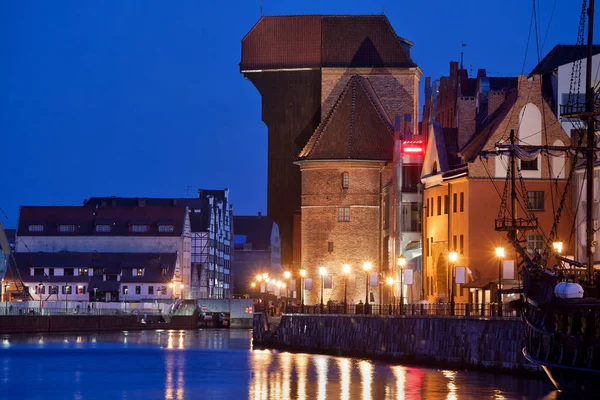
[[145, 98]]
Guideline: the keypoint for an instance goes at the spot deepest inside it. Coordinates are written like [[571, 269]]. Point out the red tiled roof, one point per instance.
[[314, 41], [86, 218], [356, 128]]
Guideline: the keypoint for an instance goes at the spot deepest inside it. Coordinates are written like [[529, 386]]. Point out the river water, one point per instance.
[[221, 364]]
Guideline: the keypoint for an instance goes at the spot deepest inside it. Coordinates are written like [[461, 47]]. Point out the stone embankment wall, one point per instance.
[[486, 344]]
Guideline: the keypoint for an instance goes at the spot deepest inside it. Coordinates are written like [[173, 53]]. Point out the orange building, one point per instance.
[[463, 191]]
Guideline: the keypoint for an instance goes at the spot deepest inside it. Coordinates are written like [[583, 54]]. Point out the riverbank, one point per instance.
[[484, 344]]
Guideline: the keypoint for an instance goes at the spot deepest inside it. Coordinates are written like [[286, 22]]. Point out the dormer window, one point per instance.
[[102, 228], [36, 228], [66, 228], [139, 228], [140, 271], [165, 228], [345, 180]]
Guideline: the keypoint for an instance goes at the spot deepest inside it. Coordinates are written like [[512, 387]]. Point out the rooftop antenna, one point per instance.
[[261, 1], [462, 44], [382, 10]]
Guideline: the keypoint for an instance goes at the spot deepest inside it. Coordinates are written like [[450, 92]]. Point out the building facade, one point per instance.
[[463, 191], [300, 65], [257, 250]]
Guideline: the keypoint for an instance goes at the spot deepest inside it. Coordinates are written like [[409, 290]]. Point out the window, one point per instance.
[[36, 228], [98, 271], [344, 214], [446, 205], [66, 289], [111, 277], [462, 201], [40, 289], [163, 289], [454, 243], [454, 205], [430, 207], [140, 271], [411, 178], [535, 200], [38, 272], [439, 205], [66, 228], [165, 228], [102, 228], [535, 242], [50, 271], [126, 272], [345, 180], [330, 247], [53, 289], [150, 289], [81, 289], [462, 244], [139, 228], [69, 272], [138, 290], [125, 290], [529, 165], [163, 271], [83, 272]]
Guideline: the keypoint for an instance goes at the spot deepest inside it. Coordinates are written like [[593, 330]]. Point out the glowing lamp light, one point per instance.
[[367, 265], [259, 278], [287, 274], [453, 256], [323, 271], [500, 252], [181, 286], [346, 269], [401, 261], [557, 246], [253, 284], [303, 273], [390, 280]]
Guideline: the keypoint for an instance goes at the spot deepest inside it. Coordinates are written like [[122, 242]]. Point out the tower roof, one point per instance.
[[356, 128]]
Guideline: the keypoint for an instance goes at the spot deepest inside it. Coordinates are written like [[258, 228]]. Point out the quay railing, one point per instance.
[[36, 311], [432, 310]]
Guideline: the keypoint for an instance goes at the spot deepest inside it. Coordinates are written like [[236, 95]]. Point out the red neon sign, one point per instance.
[[413, 147]]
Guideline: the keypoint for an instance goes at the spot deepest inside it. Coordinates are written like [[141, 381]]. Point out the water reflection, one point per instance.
[[221, 364]]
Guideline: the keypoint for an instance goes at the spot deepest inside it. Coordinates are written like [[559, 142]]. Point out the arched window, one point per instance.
[[345, 180], [434, 168]]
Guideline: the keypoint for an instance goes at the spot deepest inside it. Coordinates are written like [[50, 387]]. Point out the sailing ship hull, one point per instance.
[[566, 378]]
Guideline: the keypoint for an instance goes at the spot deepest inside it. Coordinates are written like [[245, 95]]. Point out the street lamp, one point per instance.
[[367, 267], [452, 257], [302, 277], [40, 290], [346, 271], [171, 285], [401, 263], [322, 272], [95, 296], [557, 246], [259, 277], [390, 282], [500, 255]]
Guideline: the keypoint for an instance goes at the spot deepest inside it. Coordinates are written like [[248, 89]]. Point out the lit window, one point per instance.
[[535, 200], [83, 272], [139, 228], [344, 214], [66, 228], [80, 289], [462, 201], [140, 271], [345, 180], [102, 228], [36, 228], [165, 228], [66, 289], [535, 242]]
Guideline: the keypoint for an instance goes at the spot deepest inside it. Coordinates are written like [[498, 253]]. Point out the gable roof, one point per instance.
[[476, 143], [562, 54], [256, 229], [356, 128], [86, 218], [315, 41]]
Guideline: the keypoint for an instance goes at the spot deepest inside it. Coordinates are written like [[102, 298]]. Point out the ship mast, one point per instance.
[[589, 108]]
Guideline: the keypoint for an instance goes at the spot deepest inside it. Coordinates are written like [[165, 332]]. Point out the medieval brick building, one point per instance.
[[321, 79]]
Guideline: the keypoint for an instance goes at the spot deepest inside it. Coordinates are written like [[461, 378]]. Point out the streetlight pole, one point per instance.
[[401, 264], [346, 271], [367, 267], [452, 257], [500, 255], [302, 276], [390, 282], [322, 272], [41, 287]]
